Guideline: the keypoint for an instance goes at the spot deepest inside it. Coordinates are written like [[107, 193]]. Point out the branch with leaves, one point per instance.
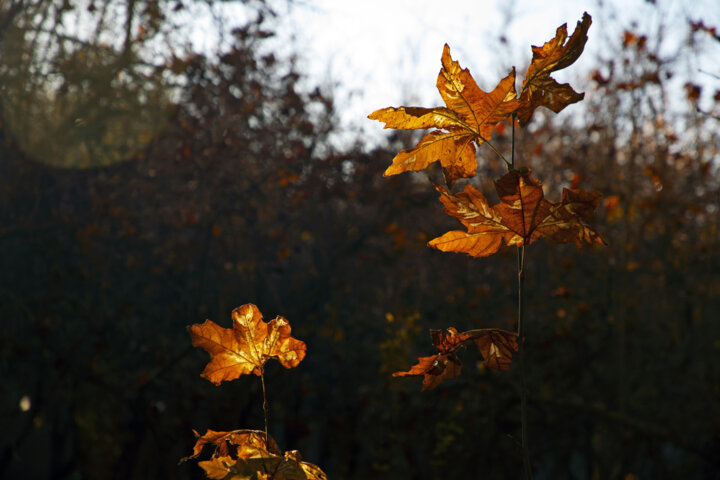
[[238, 351], [522, 216]]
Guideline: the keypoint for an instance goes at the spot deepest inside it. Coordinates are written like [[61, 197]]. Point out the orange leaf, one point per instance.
[[522, 216], [468, 119], [247, 346], [539, 89], [435, 369]]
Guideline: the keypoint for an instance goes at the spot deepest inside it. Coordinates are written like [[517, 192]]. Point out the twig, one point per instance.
[[265, 406], [521, 355], [521, 338]]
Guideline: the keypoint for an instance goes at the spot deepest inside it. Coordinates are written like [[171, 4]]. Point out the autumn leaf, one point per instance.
[[246, 347], [468, 119], [496, 346], [227, 442], [243, 454], [522, 216], [539, 89]]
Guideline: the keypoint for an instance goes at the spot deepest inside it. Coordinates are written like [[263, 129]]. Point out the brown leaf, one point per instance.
[[522, 216], [247, 346], [539, 89], [467, 120], [497, 348]]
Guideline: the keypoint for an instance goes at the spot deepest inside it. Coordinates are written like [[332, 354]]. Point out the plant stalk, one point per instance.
[[521, 355], [521, 338], [265, 407]]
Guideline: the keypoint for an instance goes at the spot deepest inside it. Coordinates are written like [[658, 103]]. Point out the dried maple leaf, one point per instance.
[[539, 89], [243, 455], [246, 347], [522, 216], [226, 443], [468, 119], [496, 346]]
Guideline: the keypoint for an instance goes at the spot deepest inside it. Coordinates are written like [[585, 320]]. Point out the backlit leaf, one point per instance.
[[468, 119], [246, 347], [522, 216], [539, 89]]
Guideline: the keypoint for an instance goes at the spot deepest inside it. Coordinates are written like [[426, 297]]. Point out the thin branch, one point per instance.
[[521, 355], [497, 152], [512, 151], [265, 406]]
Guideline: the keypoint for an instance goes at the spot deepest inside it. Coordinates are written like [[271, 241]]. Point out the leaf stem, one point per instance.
[[265, 406], [521, 337], [497, 152], [512, 150], [521, 355]]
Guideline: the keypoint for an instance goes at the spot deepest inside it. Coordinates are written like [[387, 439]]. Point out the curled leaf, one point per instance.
[[539, 89], [496, 346]]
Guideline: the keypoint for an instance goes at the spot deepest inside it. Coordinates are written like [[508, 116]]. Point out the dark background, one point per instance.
[[137, 198]]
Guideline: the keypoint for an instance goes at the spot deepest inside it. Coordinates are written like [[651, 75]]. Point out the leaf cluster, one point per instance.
[[245, 455], [495, 345], [467, 121], [470, 114], [244, 349]]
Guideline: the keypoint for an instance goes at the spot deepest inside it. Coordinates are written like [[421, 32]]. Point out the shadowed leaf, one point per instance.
[[496, 346]]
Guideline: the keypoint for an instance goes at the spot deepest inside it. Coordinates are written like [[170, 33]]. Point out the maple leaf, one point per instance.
[[522, 216], [496, 346], [539, 89], [246, 347], [467, 120], [243, 454]]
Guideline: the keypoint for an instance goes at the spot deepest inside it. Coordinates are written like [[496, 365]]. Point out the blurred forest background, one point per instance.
[[145, 186]]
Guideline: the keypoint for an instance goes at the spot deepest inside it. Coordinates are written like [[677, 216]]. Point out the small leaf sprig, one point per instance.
[[465, 123], [238, 351]]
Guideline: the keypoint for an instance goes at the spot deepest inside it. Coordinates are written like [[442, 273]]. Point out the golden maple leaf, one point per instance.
[[246, 347], [467, 120], [539, 89], [522, 216]]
